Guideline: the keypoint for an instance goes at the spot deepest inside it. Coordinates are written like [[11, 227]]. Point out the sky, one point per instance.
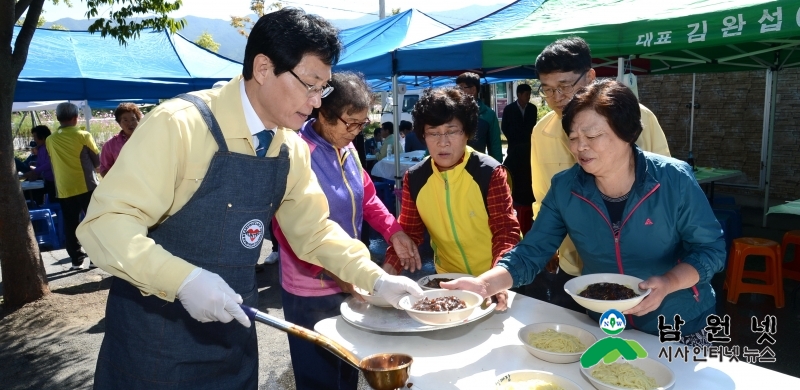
[[337, 9]]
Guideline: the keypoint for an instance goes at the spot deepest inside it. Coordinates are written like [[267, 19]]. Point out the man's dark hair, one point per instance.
[[469, 78], [441, 105], [523, 88], [405, 126], [350, 94], [286, 35], [613, 101], [569, 54], [41, 131], [388, 126]]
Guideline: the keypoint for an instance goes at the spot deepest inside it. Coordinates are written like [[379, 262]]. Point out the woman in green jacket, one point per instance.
[[629, 212]]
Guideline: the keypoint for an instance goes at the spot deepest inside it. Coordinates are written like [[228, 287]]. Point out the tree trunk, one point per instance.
[[24, 276]]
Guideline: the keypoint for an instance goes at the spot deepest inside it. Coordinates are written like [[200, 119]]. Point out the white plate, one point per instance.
[[526, 375], [391, 320], [665, 378]]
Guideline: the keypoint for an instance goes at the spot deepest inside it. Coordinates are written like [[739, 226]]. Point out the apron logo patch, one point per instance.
[[252, 233]]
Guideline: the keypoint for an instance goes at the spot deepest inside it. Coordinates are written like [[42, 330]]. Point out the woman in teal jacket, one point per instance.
[[629, 212]]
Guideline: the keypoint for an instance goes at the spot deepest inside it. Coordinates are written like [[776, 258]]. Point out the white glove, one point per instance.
[[207, 298], [393, 288]]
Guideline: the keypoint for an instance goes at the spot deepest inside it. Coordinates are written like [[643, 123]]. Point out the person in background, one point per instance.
[[412, 141], [487, 136], [629, 212], [311, 293], [459, 195], [565, 66], [128, 117], [372, 145], [74, 158], [182, 217], [44, 168], [387, 134], [517, 125]]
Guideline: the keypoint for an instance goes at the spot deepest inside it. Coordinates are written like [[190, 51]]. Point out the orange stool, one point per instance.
[[749, 246], [791, 269]]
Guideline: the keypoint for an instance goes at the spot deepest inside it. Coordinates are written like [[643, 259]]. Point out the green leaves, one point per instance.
[[121, 23]]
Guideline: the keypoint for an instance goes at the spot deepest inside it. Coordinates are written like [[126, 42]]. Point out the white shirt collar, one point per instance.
[[251, 118]]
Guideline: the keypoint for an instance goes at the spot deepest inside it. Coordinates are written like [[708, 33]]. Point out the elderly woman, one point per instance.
[[310, 293], [128, 117], [458, 194], [629, 212]]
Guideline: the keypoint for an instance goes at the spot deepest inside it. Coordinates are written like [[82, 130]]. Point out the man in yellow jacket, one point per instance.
[[565, 66], [180, 219]]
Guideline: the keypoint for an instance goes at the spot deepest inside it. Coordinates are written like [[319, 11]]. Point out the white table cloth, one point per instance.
[[473, 355]]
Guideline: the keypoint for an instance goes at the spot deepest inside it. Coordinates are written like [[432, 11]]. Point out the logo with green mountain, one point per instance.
[[609, 349]]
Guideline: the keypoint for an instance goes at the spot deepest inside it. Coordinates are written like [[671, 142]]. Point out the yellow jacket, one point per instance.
[[550, 155], [160, 169]]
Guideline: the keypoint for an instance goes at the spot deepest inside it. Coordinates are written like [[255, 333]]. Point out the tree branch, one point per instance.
[[20, 8], [25, 36]]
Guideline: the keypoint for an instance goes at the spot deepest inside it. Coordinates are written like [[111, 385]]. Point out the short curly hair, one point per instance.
[[612, 100], [123, 108], [350, 94], [441, 105]]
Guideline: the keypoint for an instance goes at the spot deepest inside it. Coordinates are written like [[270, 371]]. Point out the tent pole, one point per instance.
[[772, 77], [396, 120], [691, 118], [620, 68]]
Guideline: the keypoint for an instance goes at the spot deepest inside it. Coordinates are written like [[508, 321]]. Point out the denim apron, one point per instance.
[[151, 343]]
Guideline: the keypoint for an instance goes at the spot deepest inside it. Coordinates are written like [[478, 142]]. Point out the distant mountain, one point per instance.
[[232, 43]]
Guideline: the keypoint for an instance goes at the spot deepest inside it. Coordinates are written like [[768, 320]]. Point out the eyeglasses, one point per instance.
[[439, 136], [312, 90], [565, 90], [353, 126]]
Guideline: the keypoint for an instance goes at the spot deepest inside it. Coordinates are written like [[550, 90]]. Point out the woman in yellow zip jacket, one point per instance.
[[459, 195]]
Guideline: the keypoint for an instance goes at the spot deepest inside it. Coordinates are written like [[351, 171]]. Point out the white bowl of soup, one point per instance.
[[438, 307], [645, 374], [533, 380], [605, 291], [555, 343]]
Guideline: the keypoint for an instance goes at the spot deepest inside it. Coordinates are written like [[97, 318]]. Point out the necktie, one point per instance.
[[264, 139]]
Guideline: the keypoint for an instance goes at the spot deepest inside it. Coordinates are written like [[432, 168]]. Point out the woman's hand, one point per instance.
[[502, 300], [479, 287], [346, 288], [660, 286], [407, 251]]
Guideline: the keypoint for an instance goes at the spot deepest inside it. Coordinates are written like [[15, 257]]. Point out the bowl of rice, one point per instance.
[[431, 282], [533, 380], [373, 300], [555, 343], [646, 374], [578, 286], [437, 307]]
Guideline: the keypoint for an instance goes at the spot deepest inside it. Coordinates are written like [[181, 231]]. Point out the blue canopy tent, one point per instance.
[[461, 49], [368, 48], [78, 65]]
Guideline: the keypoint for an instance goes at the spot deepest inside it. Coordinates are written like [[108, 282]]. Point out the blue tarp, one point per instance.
[[78, 65], [461, 49], [368, 48]]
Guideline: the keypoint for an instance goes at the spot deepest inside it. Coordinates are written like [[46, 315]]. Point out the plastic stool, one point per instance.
[[791, 269], [750, 246], [58, 216], [44, 229]]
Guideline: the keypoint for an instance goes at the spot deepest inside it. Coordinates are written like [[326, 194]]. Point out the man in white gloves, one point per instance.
[[180, 219]]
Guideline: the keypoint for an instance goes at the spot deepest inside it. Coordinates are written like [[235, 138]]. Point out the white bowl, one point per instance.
[[555, 357], [471, 299], [425, 279], [526, 375], [372, 299], [577, 285], [665, 378]]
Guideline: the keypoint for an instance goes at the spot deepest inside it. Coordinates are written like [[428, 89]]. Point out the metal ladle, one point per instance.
[[383, 371]]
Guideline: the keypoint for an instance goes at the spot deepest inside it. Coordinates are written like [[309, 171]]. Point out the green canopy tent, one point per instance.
[[660, 37]]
